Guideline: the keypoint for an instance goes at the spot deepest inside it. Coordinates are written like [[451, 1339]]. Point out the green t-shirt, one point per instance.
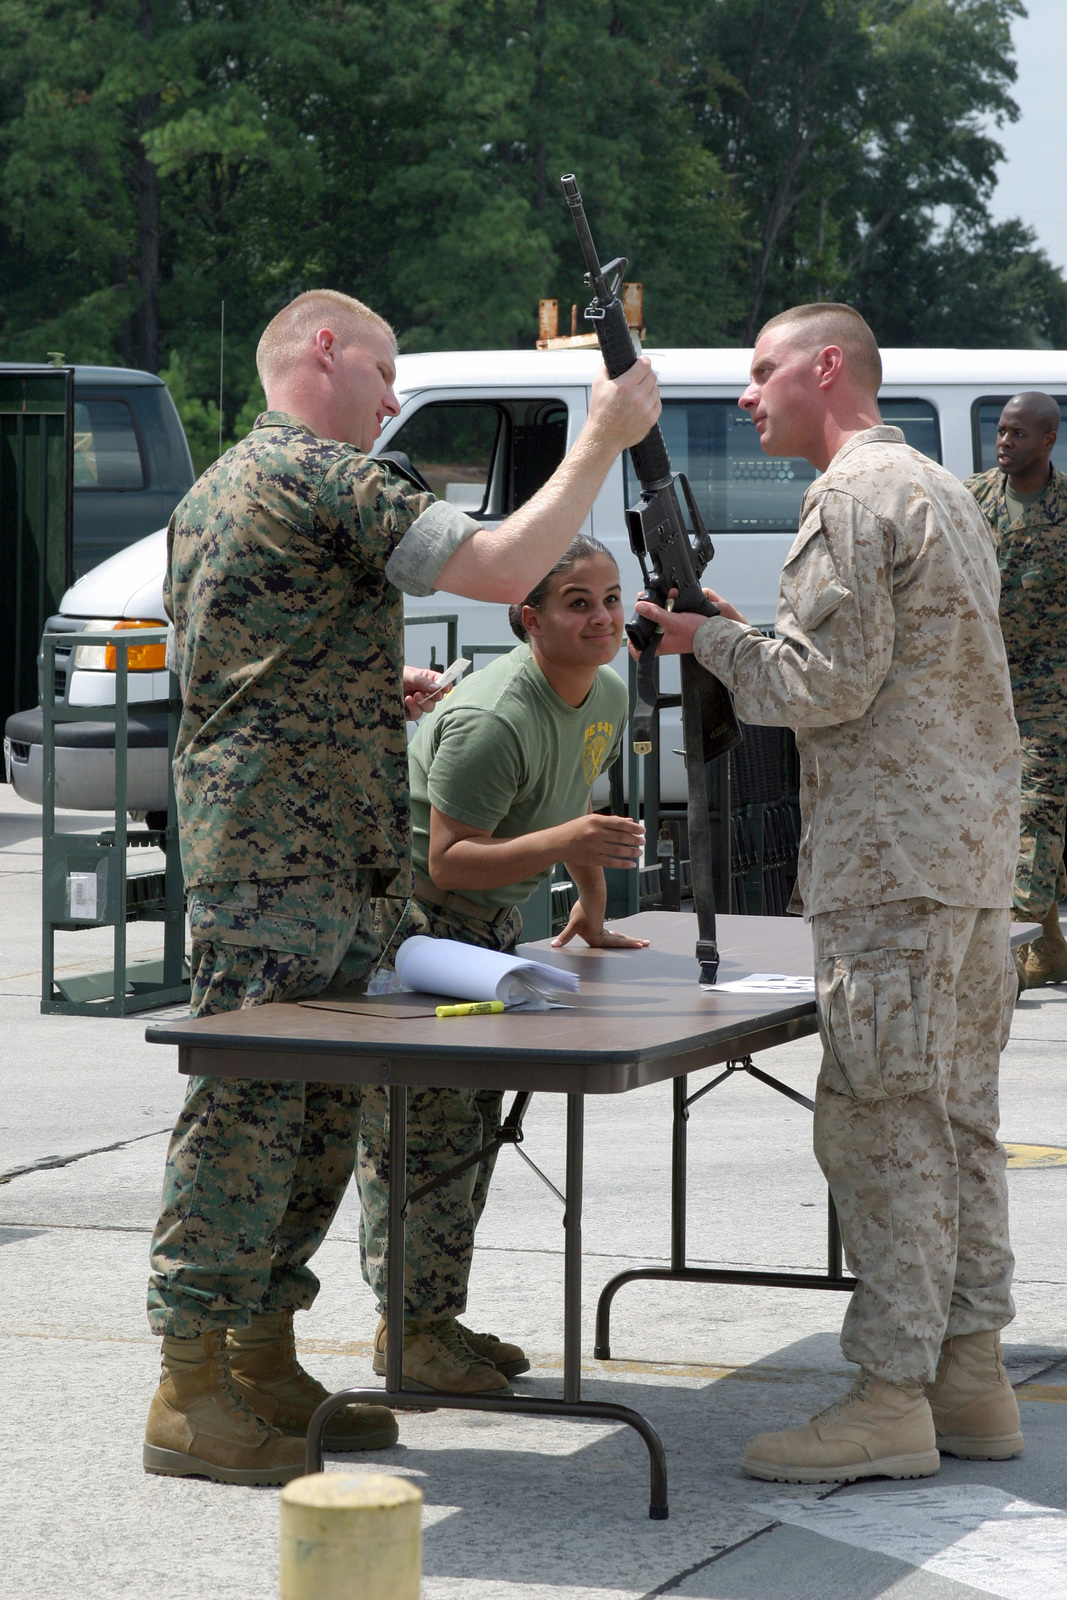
[[503, 752], [1019, 503]]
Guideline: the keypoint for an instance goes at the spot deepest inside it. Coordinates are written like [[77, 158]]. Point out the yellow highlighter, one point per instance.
[[474, 1008]]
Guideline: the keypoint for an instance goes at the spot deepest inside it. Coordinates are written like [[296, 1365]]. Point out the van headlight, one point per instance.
[[151, 657], [90, 657]]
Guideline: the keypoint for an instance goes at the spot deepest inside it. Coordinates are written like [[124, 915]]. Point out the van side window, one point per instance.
[[737, 487], [106, 452], [918, 421], [985, 415], [486, 457], [538, 445]]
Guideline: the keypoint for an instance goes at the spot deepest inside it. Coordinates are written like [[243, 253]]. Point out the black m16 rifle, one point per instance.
[[669, 559]]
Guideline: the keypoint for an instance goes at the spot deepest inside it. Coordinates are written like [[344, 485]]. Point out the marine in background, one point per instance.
[[1025, 499]]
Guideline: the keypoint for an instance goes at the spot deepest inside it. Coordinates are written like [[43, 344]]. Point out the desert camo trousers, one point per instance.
[[1039, 876], [444, 1126], [256, 1170], [915, 1003]]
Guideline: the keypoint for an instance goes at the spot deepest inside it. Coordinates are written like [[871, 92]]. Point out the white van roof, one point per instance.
[[988, 370]]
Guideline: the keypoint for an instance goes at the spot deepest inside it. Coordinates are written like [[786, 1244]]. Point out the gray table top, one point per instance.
[[640, 1017]]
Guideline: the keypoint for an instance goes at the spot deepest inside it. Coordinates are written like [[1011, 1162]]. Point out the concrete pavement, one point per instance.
[[514, 1508]]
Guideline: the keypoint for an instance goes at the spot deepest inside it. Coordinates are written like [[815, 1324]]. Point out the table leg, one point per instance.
[[835, 1262], [394, 1278], [679, 1174], [572, 1252], [571, 1406], [678, 1272]]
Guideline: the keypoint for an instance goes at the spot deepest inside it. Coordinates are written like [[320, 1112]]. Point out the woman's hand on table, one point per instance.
[[592, 930]]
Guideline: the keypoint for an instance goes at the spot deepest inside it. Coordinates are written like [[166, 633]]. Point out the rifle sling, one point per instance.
[[700, 862]]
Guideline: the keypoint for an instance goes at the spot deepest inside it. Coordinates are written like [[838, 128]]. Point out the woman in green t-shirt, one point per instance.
[[501, 774]]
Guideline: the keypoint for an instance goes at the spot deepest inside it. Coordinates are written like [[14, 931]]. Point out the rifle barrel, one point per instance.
[[601, 288]]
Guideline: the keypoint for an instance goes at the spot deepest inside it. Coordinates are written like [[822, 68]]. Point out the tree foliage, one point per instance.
[[159, 157]]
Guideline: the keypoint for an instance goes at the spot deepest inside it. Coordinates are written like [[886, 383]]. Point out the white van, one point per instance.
[[486, 428]]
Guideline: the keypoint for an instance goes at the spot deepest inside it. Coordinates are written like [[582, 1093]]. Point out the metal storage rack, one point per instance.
[[449, 620], [754, 819], [36, 518], [85, 881]]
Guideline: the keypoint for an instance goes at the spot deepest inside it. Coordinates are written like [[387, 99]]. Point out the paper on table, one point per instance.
[[466, 972], [767, 983]]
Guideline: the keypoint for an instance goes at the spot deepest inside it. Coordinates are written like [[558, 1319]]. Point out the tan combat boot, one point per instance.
[[510, 1359], [268, 1375], [1045, 959], [879, 1430], [438, 1360], [975, 1411], [200, 1427]]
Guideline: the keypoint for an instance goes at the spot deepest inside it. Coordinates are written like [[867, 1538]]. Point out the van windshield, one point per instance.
[[737, 487]]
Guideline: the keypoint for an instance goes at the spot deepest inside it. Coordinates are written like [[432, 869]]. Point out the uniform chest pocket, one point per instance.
[[873, 1023], [810, 586]]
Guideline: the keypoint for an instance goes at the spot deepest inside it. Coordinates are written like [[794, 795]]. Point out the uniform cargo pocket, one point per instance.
[[220, 922], [868, 1008]]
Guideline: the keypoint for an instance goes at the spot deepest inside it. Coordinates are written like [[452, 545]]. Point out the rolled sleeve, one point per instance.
[[427, 547]]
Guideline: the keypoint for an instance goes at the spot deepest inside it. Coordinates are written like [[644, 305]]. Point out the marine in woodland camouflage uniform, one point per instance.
[[285, 570], [890, 664], [1032, 553]]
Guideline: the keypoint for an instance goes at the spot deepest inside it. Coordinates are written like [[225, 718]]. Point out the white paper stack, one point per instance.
[[766, 983], [465, 972]]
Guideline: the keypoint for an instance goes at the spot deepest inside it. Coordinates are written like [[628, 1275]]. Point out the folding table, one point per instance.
[[640, 1017]]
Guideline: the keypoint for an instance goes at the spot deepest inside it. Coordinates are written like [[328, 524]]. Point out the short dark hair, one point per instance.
[[1039, 409], [831, 322], [579, 549]]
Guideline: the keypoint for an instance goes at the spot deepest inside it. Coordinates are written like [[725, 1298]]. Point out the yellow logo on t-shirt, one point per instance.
[[598, 737]]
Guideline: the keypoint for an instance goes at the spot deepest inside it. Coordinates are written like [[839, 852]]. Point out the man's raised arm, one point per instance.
[[505, 563]]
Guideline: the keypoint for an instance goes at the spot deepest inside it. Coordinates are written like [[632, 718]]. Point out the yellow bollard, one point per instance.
[[350, 1536]]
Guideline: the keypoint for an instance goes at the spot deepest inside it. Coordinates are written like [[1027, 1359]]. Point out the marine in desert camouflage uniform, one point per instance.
[[287, 564], [890, 665], [1025, 500]]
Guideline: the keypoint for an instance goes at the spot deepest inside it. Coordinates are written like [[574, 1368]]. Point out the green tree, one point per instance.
[[855, 133], [79, 214], [173, 155], [981, 286], [456, 221]]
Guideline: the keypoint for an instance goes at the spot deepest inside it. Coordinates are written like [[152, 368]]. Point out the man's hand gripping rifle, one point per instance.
[[669, 560]]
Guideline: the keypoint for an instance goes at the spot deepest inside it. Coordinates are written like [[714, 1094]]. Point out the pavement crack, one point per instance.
[[79, 1227], [48, 1162], [699, 1566], [1035, 1377], [727, 1550]]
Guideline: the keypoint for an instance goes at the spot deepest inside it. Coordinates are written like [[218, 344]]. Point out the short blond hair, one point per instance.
[[297, 323], [828, 322]]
